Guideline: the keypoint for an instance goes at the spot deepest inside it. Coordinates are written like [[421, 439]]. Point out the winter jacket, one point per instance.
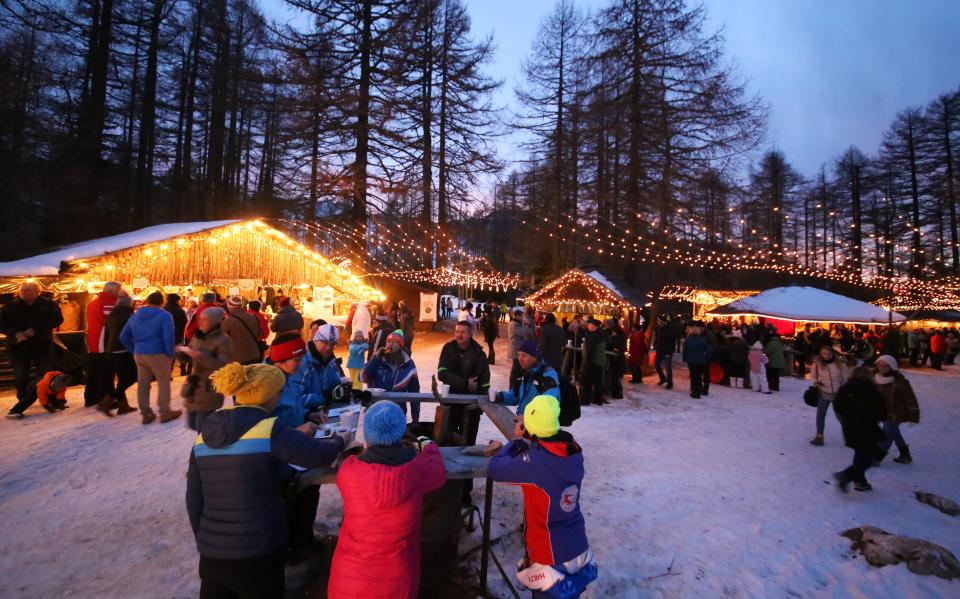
[[233, 495], [913, 341], [216, 351], [891, 341], [774, 351], [490, 327], [737, 351], [406, 325], [938, 345], [595, 348], [179, 320], [42, 316], [540, 379], [860, 407], [638, 348], [243, 329], [44, 394], [901, 402], [552, 340], [193, 321], [114, 326], [758, 360], [665, 340], [149, 331], [828, 377], [696, 350], [456, 367], [97, 311], [617, 343], [550, 474], [378, 550], [357, 353], [264, 325], [361, 320], [382, 373], [316, 379], [287, 319]]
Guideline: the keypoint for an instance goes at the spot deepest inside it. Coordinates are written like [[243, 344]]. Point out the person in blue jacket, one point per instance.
[[286, 353], [536, 378], [320, 373], [547, 464], [148, 335], [393, 370], [696, 353], [233, 481]]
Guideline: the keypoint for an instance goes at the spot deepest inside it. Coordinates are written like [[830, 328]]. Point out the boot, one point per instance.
[[862, 486], [843, 480], [904, 457], [123, 407], [171, 415], [106, 404], [818, 440]]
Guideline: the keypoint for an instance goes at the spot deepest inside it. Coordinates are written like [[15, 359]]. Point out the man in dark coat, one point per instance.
[[490, 326], [664, 344], [122, 365], [697, 353], [464, 367], [179, 326], [552, 339], [860, 407], [28, 323]]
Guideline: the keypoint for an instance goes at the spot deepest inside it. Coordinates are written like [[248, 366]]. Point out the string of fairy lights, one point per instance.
[[576, 289]]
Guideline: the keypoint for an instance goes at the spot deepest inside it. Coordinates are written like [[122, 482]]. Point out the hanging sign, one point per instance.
[[139, 283], [428, 307], [323, 300]]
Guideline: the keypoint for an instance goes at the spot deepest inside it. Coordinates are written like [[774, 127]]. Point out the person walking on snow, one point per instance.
[[696, 353], [827, 374], [148, 335], [758, 368], [901, 404], [860, 408]]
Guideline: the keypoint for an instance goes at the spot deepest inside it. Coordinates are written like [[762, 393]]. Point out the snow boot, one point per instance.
[[174, 414], [669, 385], [818, 440], [106, 405], [904, 457], [843, 481], [14, 415], [123, 407], [862, 486], [148, 418]]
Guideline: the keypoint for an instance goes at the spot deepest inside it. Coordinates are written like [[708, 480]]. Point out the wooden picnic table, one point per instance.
[[458, 465]]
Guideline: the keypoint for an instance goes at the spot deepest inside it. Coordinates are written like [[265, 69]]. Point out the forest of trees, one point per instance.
[[640, 141]]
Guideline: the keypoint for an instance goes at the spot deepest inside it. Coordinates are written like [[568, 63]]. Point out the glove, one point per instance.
[[342, 393], [364, 398], [423, 441]]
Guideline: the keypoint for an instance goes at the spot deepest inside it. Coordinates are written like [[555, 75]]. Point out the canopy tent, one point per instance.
[[593, 292], [808, 304], [236, 254]]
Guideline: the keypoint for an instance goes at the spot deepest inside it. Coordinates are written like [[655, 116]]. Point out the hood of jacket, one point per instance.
[[390, 481], [225, 427], [150, 313]]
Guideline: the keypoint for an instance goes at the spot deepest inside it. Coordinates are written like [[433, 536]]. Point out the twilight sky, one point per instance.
[[833, 72]]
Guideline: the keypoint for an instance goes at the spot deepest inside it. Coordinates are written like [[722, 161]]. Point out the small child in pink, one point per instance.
[[758, 368]]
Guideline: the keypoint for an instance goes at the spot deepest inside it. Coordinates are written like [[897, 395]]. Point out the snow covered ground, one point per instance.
[[726, 488]]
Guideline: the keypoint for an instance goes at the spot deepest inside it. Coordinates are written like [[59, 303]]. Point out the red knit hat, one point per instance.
[[286, 350], [398, 337]]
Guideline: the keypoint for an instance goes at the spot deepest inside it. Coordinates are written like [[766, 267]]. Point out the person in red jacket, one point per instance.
[[208, 300], [254, 308], [938, 349], [99, 373], [638, 353], [378, 552]]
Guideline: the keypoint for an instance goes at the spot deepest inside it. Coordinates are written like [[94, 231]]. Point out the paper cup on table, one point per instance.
[[492, 395], [376, 391], [350, 420], [444, 390]]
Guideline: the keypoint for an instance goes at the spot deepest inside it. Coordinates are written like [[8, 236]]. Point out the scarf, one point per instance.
[[882, 380]]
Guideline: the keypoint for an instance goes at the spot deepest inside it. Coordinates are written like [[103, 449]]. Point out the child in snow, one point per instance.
[[758, 368], [547, 464], [358, 348], [233, 483], [378, 552], [50, 389]]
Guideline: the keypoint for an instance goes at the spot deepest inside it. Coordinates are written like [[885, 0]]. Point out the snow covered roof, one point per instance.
[[604, 281], [48, 264], [808, 304]]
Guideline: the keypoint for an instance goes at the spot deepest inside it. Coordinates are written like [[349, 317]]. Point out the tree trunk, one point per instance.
[[145, 147]]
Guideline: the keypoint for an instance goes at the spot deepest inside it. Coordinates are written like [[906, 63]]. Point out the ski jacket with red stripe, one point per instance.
[[97, 311], [550, 473]]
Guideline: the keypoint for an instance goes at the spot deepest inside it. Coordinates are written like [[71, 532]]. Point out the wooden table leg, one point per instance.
[[485, 544]]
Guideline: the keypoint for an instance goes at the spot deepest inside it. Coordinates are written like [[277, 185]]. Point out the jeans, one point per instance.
[[125, 369], [591, 389], [491, 356], [616, 379], [891, 434], [99, 379], [699, 379], [414, 409], [773, 378], [666, 359], [823, 404]]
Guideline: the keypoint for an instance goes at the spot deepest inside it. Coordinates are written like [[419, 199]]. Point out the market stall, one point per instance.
[[584, 292]]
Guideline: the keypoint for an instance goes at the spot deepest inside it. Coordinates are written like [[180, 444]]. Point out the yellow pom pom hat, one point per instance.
[[541, 417], [252, 385]]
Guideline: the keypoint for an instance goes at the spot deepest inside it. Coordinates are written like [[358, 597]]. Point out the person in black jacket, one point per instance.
[[860, 407], [664, 344], [464, 367], [234, 479], [378, 336], [490, 326], [552, 340], [122, 365], [617, 343], [28, 323], [179, 326]]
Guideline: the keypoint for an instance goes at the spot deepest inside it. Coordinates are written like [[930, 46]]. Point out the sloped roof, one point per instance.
[[48, 264], [808, 304]]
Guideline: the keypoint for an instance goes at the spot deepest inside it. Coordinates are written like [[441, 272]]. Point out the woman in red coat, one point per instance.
[[378, 552], [638, 353]]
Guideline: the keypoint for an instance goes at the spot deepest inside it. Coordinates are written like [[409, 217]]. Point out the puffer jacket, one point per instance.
[[696, 350], [829, 377], [114, 326], [774, 351], [901, 401], [215, 349], [234, 498], [381, 373], [541, 379], [318, 376], [149, 331], [97, 311], [378, 551], [287, 319], [860, 407]]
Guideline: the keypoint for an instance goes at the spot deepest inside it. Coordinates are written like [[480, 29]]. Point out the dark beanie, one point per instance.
[[530, 347], [155, 298]]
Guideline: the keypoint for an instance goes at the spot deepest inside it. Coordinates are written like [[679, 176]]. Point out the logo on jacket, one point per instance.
[[568, 499]]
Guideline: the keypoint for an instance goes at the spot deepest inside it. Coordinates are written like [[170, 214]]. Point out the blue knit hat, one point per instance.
[[530, 347], [384, 424]]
